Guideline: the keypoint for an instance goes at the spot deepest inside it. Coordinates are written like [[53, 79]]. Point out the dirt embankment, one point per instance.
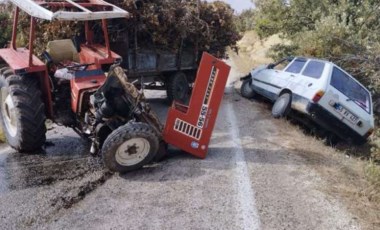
[[253, 51]]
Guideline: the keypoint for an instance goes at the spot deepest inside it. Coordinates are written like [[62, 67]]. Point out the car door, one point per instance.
[[271, 82], [292, 73], [261, 81], [310, 80]]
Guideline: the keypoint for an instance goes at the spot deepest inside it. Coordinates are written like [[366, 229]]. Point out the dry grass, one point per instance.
[[353, 181], [373, 174], [2, 137]]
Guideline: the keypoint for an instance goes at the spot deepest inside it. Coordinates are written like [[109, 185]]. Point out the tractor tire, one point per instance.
[[178, 89], [22, 112], [282, 106], [246, 89], [130, 147]]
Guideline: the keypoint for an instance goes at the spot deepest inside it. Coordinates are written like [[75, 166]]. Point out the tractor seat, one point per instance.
[[62, 51]]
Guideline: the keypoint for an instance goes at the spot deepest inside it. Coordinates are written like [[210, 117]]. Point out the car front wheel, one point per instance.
[[246, 89], [282, 106]]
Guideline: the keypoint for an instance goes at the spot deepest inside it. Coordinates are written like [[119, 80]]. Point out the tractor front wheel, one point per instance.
[[130, 147], [22, 112]]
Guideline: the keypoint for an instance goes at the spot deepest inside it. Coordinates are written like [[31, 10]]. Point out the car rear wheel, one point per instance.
[[282, 106], [130, 147], [246, 89]]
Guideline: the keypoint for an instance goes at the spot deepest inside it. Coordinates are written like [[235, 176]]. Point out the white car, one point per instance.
[[319, 89]]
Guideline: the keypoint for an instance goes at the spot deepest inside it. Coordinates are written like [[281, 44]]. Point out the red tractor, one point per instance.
[[71, 88]]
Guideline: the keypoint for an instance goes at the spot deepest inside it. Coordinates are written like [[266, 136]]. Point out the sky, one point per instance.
[[238, 5]]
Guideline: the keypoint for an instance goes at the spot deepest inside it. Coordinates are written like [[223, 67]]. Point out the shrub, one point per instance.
[[5, 25]]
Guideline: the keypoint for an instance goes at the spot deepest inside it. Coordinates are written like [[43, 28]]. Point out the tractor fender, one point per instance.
[[17, 61]]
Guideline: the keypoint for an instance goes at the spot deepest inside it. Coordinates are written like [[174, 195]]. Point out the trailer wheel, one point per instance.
[[130, 147], [178, 88], [22, 112], [282, 106]]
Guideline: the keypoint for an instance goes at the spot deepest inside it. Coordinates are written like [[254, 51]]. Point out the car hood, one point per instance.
[[258, 69]]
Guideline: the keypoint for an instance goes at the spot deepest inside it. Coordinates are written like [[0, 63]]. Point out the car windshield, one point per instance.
[[296, 66], [351, 89]]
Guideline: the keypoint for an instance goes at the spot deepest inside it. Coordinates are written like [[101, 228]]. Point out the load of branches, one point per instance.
[[175, 23], [168, 24]]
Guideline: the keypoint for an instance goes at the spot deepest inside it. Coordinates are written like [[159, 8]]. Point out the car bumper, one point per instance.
[[331, 123]]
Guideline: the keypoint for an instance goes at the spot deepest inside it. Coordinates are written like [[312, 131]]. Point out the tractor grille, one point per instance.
[[187, 129]]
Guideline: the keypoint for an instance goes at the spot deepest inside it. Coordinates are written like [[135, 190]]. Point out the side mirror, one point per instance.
[[271, 66]]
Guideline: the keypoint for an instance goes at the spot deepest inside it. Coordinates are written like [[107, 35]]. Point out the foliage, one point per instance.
[[343, 31], [245, 21], [279, 51], [169, 23], [164, 23], [222, 31], [269, 16], [5, 25], [45, 31]]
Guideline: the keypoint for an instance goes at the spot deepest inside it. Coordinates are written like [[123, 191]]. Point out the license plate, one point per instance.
[[346, 114]]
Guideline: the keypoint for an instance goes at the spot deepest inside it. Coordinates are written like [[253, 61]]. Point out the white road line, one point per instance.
[[246, 196]]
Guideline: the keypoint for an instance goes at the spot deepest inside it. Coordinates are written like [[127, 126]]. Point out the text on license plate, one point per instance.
[[345, 113]]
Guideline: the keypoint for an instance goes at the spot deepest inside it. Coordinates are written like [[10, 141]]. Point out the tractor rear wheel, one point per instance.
[[178, 88], [130, 147], [22, 112]]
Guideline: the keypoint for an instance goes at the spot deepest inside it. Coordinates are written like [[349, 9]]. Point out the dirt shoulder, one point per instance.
[[338, 176]]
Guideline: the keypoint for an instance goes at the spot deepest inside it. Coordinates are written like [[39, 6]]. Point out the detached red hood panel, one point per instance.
[[190, 127]]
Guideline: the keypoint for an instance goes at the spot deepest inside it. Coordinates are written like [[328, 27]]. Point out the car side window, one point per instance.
[[296, 66], [314, 69]]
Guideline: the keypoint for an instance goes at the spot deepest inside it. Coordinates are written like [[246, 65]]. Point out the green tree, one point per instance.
[[344, 31], [245, 21], [269, 16]]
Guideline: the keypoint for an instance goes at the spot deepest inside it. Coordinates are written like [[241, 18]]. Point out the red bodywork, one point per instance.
[[190, 127], [23, 62], [94, 77]]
